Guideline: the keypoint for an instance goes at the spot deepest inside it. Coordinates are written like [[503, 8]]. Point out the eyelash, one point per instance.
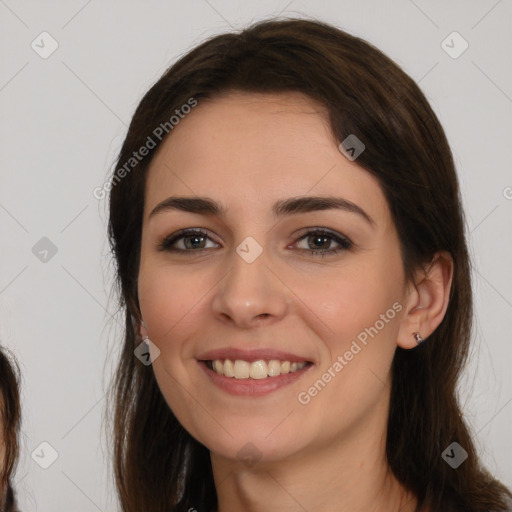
[[345, 243]]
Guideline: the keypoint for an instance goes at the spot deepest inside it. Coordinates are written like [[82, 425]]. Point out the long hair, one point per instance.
[[158, 465], [10, 420]]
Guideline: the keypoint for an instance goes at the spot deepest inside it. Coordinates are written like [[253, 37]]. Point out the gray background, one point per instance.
[[62, 121]]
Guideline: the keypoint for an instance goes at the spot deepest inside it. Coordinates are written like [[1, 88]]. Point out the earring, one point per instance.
[[143, 331], [417, 337]]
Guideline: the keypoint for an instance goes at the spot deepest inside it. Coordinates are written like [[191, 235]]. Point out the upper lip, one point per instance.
[[251, 355]]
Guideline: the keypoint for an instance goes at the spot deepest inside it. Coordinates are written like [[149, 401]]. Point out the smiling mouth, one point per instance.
[[261, 369]]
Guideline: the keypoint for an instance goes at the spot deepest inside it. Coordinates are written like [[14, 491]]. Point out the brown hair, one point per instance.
[[158, 465], [10, 419]]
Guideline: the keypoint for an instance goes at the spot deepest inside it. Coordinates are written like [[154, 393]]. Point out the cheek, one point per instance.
[[353, 299], [361, 305], [362, 309], [171, 302], [160, 297]]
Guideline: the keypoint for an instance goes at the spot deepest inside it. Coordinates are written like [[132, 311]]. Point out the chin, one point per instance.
[[253, 447]]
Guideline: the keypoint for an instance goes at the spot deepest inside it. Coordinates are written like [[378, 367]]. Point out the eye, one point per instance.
[[194, 240], [321, 238]]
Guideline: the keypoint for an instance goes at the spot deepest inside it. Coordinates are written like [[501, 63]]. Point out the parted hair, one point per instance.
[[158, 466]]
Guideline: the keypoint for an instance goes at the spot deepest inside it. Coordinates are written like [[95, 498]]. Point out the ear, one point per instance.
[[142, 329], [139, 325], [427, 300]]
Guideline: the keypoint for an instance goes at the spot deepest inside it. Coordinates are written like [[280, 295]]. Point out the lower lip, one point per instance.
[[252, 387]]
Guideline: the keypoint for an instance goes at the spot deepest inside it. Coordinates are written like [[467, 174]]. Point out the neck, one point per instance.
[[347, 473]]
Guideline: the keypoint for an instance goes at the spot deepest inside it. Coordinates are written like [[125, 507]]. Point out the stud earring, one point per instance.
[[144, 332], [417, 337]]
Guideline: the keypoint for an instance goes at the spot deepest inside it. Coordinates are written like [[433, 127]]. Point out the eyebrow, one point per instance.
[[281, 208]]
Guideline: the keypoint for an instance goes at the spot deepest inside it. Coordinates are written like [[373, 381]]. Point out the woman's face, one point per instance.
[[254, 279]]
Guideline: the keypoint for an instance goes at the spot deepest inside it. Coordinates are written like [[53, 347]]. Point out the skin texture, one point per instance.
[[248, 151]]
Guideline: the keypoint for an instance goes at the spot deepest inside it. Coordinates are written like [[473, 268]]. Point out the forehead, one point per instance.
[[246, 148]]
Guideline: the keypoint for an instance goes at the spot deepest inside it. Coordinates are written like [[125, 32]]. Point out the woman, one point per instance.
[[289, 241], [10, 414]]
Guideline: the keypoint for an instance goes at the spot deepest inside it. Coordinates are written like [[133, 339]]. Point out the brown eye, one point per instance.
[[191, 240], [319, 242]]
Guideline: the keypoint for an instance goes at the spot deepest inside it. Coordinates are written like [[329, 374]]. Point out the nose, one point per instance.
[[251, 293]]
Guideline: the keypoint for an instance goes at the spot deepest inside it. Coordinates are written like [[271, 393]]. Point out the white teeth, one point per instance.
[[256, 370], [274, 368], [242, 369], [218, 366], [229, 370]]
